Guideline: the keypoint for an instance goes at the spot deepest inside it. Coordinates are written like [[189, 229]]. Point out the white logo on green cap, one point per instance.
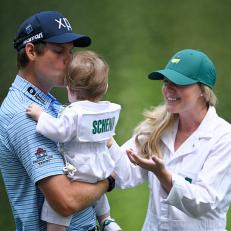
[[175, 60]]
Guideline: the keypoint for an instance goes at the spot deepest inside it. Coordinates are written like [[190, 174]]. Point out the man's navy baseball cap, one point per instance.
[[188, 67], [48, 26]]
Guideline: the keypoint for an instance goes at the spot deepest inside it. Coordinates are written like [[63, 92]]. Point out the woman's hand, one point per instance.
[[155, 165]]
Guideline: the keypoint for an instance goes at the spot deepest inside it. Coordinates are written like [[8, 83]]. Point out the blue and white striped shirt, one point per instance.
[[27, 157]]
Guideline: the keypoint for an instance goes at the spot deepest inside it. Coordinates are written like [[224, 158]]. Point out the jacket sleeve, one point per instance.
[[60, 129], [212, 188], [127, 174]]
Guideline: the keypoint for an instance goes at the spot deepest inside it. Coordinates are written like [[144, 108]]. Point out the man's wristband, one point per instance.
[[111, 183]]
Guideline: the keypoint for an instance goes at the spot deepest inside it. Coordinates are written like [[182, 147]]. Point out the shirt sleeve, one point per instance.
[[38, 155], [127, 174], [212, 188], [60, 129]]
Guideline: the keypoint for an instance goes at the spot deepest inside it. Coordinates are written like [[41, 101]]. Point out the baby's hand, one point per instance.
[[34, 111]]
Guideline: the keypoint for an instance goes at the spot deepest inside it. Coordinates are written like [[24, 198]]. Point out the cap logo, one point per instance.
[[63, 22], [175, 60], [33, 38], [29, 29]]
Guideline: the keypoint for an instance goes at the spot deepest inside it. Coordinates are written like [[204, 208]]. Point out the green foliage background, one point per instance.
[[135, 37]]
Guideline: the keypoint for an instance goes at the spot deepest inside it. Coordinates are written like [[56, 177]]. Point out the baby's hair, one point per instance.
[[88, 75]]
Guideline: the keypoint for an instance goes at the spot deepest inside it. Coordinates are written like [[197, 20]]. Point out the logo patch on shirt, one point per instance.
[[41, 156], [33, 92]]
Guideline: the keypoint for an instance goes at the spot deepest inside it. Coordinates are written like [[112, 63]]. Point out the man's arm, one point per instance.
[[67, 197]]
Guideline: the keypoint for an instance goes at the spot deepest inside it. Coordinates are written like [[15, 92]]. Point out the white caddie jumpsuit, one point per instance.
[[83, 128]]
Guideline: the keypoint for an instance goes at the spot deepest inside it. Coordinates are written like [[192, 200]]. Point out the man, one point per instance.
[[31, 165]]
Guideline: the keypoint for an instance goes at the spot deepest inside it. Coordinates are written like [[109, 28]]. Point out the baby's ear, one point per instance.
[[70, 91], [106, 89]]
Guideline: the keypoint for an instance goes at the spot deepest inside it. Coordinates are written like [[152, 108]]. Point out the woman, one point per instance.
[[183, 150]]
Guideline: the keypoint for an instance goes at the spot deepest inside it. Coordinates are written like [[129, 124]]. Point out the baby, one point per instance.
[[82, 131]]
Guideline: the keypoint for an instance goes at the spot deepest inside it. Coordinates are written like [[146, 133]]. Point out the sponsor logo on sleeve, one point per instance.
[[41, 157]]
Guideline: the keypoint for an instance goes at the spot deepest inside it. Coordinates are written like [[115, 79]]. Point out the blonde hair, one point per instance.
[[158, 120], [88, 75], [210, 97]]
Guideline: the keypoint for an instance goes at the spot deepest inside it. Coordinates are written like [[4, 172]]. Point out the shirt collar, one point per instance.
[[32, 92], [205, 129]]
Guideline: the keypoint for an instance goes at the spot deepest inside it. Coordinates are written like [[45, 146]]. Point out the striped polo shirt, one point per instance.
[[27, 157]]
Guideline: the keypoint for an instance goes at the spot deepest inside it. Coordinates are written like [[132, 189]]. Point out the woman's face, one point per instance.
[[182, 98]]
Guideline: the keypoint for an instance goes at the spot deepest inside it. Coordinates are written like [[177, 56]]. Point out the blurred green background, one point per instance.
[[135, 37]]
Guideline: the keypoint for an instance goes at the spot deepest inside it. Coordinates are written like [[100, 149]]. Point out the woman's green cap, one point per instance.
[[188, 67]]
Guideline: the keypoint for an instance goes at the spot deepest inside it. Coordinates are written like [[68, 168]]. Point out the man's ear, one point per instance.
[[30, 51]]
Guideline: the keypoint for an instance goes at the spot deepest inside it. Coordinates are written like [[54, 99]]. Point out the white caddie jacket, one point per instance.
[[201, 175], [83, 129]]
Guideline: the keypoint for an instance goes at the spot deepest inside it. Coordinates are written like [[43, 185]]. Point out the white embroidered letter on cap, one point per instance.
[[67, 24], [60, 22]]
